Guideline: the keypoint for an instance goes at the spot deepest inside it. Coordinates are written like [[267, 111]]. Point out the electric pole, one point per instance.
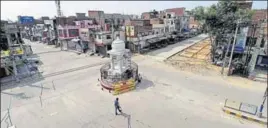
[[112, 27], [262, 105], [225, 56], [59, 13], [231, 56]]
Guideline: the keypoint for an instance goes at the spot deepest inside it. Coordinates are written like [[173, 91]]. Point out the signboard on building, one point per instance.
[[130, 31], [26, 19], [48, 22], [241, 40]]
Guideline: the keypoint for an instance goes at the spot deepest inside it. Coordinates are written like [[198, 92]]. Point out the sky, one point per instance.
[[11, 9]]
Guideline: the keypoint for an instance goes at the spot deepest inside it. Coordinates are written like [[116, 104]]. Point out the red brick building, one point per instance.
[[98, 16], [138, 22], [177, 11], [156, 21], [148, 15]]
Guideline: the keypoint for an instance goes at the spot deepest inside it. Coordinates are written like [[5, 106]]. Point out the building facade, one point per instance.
[[180, 16], [99, 16], [149, 15], [137, 27], [193, 23]]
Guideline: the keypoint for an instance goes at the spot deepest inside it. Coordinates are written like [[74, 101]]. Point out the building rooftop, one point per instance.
[[177, 11]]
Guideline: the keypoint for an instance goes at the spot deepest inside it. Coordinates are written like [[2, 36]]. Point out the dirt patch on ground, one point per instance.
[[195, 59], [193, 65]]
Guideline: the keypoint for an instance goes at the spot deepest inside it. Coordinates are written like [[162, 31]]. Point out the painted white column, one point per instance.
[[7, 71], [259, 60]]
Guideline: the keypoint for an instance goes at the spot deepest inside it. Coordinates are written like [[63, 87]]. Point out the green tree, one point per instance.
[[220, 20], [199, 14]]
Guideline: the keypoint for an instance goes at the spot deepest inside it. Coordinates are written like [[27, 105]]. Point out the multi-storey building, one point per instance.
[[87, 29], [149, 15], [158, 26], [172, 23], [137, 27], [99, 16], [253, 33], [179, 16], [115, 19]]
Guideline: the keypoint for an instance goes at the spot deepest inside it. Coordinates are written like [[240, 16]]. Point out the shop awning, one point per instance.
[[152, 40]]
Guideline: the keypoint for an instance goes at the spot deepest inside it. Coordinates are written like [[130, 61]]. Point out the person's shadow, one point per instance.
[[128, 118]]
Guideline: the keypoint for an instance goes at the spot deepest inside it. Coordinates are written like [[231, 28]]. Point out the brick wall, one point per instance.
[[177, 11], [137, 22], [98, 16], [145, 15], [156, 21]]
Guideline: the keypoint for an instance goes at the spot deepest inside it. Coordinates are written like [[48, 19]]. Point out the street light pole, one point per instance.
[[262, 105], [231, 56]]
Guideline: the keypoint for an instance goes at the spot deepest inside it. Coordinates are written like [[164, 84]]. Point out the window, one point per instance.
[[108, 37], [82, 24], [60, 33], [171, 22], [73, 32], [99, 36], [109, 47], [169, 15], [262, 43]]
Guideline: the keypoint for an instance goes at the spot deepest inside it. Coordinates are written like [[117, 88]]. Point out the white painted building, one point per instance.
[[160, 28], [172, 23]]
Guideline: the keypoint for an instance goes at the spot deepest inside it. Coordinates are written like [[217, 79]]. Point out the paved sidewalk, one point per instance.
[[164, 53]]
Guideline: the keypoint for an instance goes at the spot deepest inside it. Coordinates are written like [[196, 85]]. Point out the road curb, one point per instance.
[[244, 117]]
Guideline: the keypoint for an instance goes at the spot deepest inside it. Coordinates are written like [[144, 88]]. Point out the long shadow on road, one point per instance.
[[128, 118]]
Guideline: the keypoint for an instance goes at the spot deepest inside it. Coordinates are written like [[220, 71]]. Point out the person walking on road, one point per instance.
[[117, 106]]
